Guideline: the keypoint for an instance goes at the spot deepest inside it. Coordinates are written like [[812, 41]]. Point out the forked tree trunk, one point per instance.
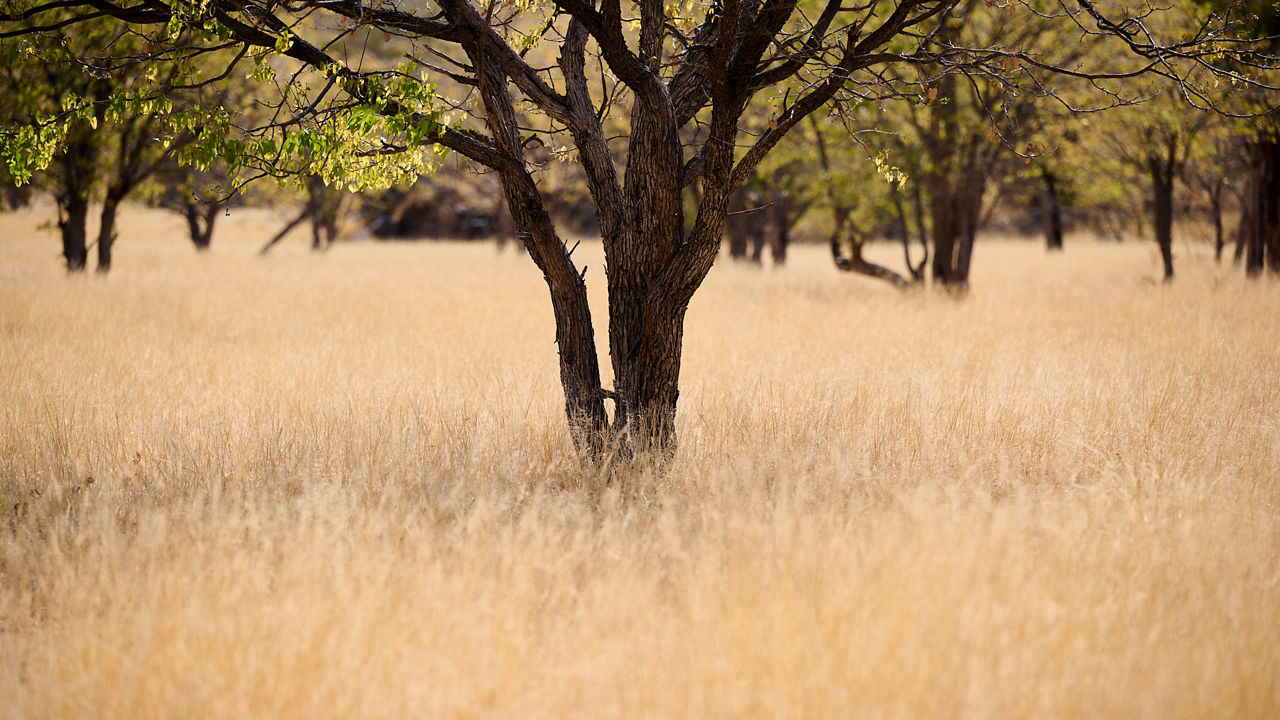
[[647, 278], [846, 233], [200, 221]]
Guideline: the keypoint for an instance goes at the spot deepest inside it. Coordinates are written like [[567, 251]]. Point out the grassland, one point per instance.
[[340, 486]]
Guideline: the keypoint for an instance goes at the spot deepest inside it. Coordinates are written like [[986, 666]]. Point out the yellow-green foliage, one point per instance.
[[338, 486]]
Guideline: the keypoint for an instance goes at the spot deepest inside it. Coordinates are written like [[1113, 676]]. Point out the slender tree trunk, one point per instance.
[[781, 230], [916, 270], [284, 231], [575, 336], [107, 230], [1051, 211], [73, 218], [1162, 185], [1215, 211]]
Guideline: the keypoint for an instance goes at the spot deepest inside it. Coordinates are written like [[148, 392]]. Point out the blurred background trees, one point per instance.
[[925, 161]]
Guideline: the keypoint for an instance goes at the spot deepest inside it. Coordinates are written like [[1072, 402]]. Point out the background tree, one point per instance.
[[101, 138]]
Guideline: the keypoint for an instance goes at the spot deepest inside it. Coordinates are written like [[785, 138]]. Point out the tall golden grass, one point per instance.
[[340, 486]]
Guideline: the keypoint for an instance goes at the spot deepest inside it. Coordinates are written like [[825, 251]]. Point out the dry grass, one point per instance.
[[338, 487]]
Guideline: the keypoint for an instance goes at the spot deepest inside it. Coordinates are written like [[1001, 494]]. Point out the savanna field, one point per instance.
[[340, 485]]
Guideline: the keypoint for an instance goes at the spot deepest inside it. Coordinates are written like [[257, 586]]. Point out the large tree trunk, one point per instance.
[[1051, 211], [1260, 225], [646, 306]]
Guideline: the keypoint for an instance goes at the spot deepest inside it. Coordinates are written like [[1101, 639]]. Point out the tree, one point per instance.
[[198, 195], [1260, 212], [107, 147], [1155, 140], [688, 71], [325, 208]]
